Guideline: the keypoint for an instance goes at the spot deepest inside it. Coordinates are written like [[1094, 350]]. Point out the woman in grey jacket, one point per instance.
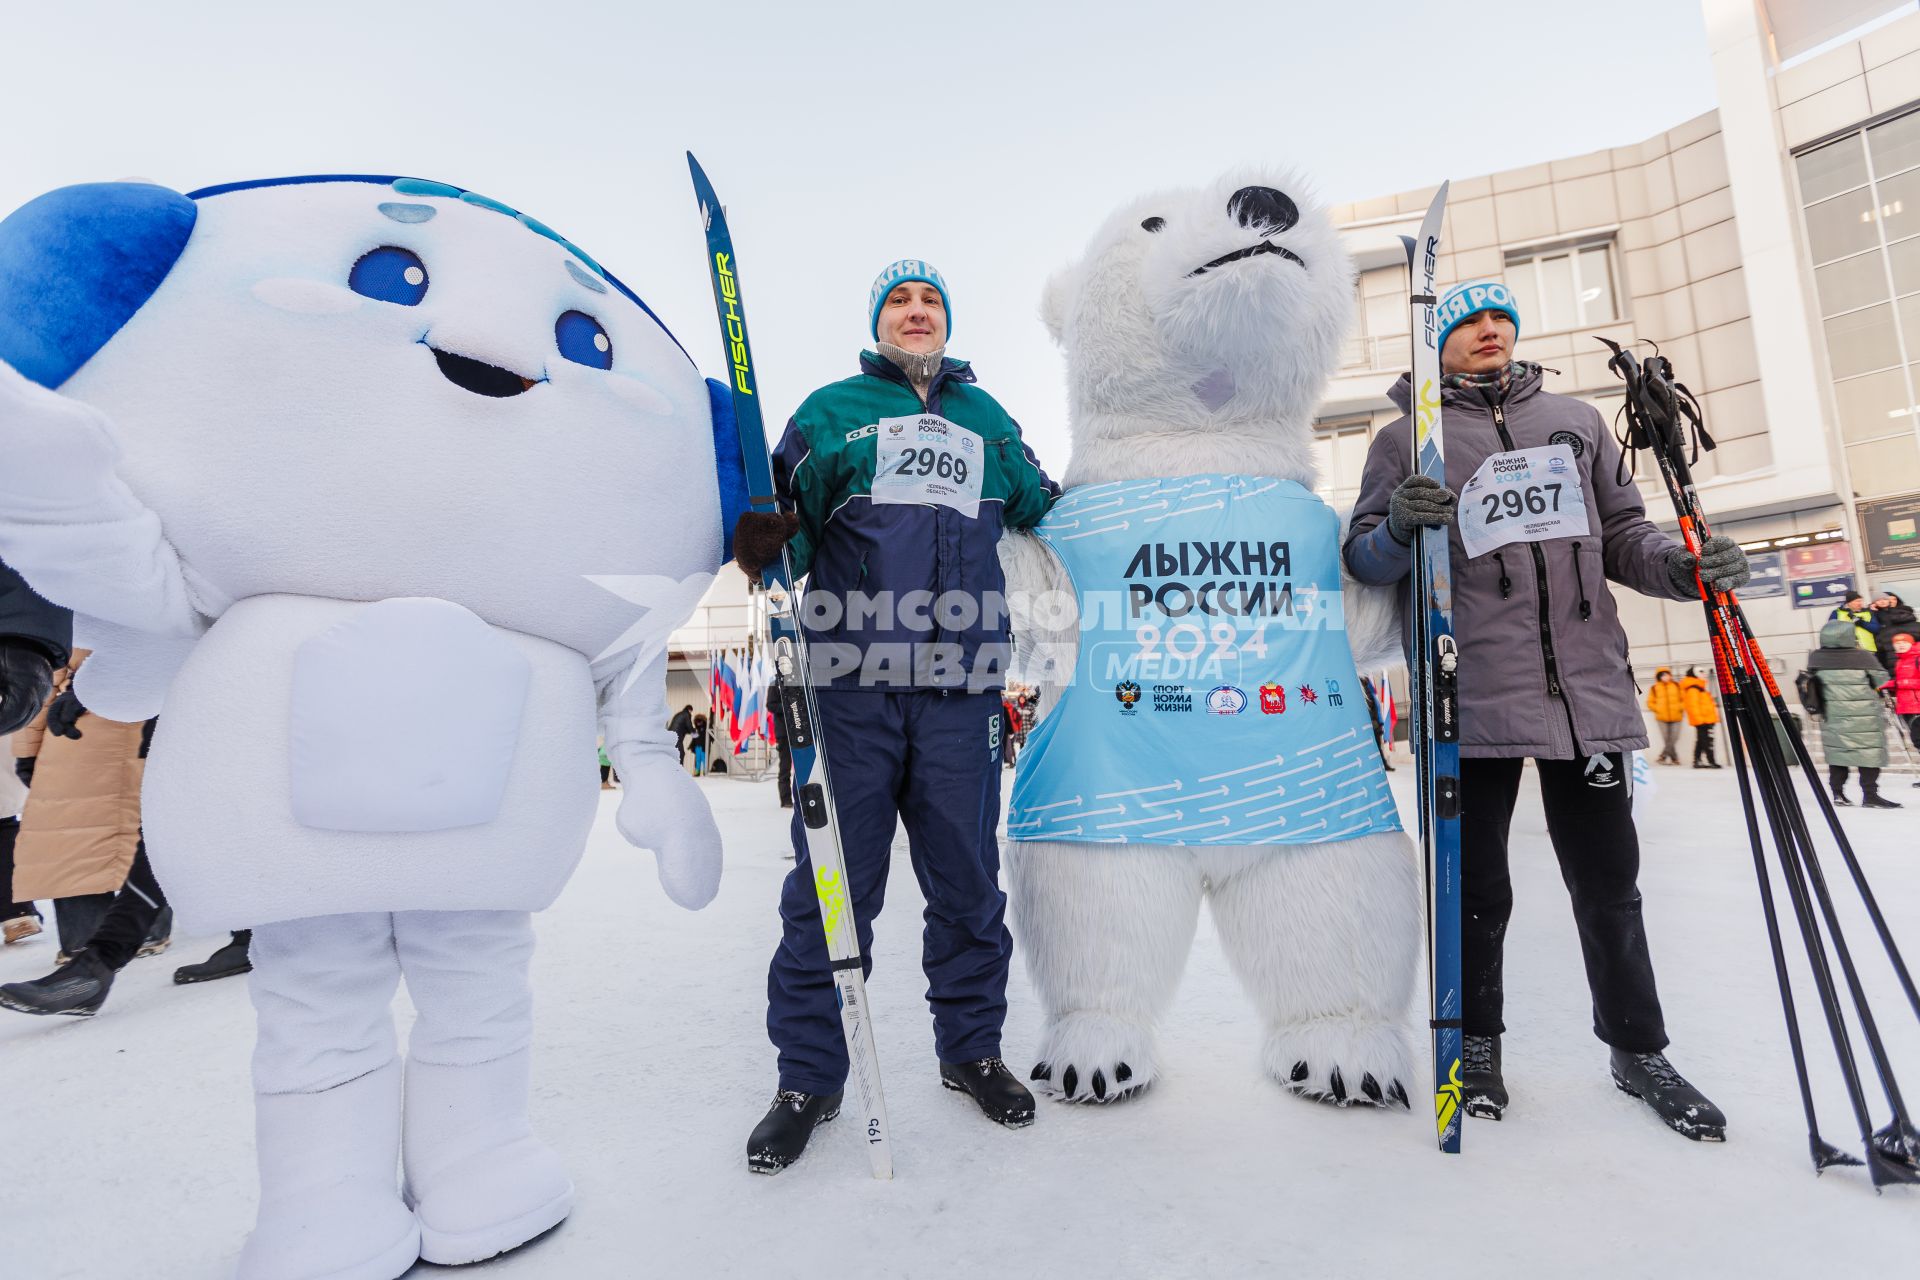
[[1853, 732], [1542, 524]]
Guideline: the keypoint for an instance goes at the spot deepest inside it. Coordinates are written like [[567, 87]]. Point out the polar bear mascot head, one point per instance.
[[1200, 328]]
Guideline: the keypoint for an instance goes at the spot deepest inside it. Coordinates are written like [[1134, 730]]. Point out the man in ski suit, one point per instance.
[[1542, 523], [895, 485]]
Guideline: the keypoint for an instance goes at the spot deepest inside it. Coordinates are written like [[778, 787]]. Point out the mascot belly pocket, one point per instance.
[[404, 718]]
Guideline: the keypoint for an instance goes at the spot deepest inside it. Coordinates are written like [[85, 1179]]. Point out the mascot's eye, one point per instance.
[[582, 340], [1153, 224], [390, 275]]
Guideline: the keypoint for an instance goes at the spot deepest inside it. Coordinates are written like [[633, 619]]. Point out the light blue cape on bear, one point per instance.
[[1214, 700]]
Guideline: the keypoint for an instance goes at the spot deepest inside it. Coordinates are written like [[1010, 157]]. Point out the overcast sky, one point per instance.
[[990, 138]]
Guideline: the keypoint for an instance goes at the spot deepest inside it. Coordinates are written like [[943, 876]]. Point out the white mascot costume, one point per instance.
[[357, 483], [1205, 734]]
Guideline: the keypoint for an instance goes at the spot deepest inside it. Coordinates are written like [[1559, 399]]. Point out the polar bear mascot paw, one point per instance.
[[1203, 733]]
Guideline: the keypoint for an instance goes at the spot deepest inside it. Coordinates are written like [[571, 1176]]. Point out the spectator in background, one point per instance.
[[699, 739], [1865, 629], [1668, 705], [681, 727], [1702, 714], [1906, 683], [1852, 732], [778, 733], [1891, 614], [81, 825], [83, 800]]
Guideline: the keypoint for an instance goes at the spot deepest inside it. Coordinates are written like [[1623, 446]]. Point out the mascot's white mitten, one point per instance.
[[662, 810]]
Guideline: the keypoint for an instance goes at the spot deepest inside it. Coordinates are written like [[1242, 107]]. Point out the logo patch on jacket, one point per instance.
[[1571, 439]]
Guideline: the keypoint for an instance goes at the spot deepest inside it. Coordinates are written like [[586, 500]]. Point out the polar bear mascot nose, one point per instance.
[[354, 481], [1204, 733]]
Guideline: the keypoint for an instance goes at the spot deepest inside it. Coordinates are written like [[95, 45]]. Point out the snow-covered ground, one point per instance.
[[128, 1152]]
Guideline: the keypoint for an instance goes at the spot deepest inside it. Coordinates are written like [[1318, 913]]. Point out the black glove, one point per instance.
[[64, 714], [23, 770], [26, 677], [1721, 562], [758, 537], [1419, 502]]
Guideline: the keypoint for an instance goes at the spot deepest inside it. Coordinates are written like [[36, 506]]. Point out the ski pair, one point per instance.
[[1434, 674], [799, 715], [1661, 416]]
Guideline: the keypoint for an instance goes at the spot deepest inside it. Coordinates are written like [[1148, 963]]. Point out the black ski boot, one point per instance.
[[1486, 1089], [1651, 1078], [781, 1136], [229, 961], [1003, 1099], [78, 987], [1874, 800]]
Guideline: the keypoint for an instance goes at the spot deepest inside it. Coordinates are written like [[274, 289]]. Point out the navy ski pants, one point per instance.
[[931, 760]]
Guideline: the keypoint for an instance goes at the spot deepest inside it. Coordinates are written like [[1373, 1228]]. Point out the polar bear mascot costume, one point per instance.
[[1205, 733], [358, 483]]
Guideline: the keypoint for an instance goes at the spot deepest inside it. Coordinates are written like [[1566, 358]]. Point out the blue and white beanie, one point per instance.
[[1470, 298], [899, 273]]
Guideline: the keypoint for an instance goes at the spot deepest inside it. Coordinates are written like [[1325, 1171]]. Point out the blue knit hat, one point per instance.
[[899, 273], [1470, 298]]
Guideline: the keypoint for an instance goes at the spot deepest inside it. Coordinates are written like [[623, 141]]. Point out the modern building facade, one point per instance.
[[1772, 249]]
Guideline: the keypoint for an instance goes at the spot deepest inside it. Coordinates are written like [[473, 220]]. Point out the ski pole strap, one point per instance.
[[1422, 299], [851, 962], [1446, 1024]]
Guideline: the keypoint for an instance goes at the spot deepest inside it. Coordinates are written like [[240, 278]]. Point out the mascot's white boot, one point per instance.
[[479, 1180], [327, 1089], [328, 1204], [1199, 330]]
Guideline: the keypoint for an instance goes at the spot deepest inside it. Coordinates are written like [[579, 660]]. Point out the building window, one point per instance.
[[1564, 286], [1860, 198], [1340, 455]]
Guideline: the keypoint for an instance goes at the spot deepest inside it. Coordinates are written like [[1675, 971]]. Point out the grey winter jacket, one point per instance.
[[1543, 661], [1851, 727]]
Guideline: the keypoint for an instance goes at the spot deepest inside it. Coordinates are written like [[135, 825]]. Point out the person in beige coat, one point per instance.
[[81, 823], [83, 807]]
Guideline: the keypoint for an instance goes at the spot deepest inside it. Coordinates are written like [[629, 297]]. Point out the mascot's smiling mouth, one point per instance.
[[478, 376], [1251, 251]]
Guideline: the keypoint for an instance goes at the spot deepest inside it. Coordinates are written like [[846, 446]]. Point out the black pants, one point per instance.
[[1837, 779], [9, 909], [135, 908], [1703, 744], [1590, 821]]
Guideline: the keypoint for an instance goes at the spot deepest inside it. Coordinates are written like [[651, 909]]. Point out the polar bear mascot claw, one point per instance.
[[1205, 733], [356, 482]]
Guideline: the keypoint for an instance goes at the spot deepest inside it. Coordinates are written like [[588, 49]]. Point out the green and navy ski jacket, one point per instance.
[[903, 595]]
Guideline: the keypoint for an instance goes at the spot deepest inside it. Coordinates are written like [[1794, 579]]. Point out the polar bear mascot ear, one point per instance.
[[1055, 298]]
